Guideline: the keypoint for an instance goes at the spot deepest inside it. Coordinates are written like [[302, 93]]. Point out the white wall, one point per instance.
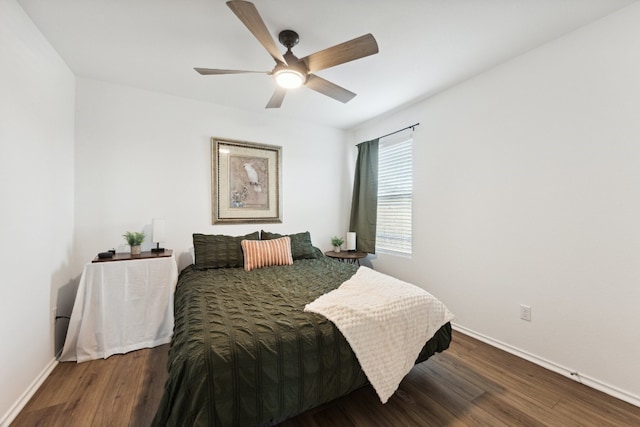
[[36, 189], [527, 191], [141, 155]]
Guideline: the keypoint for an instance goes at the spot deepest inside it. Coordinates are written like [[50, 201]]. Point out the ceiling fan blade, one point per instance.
[[209, 71], [248, 14], [332, 90], [344, 52], [276, 98]]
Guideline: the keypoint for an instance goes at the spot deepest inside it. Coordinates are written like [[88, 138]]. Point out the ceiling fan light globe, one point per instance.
[[289, 79]]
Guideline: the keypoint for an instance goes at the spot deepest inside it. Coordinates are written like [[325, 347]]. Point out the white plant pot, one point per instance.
[[135, 250]]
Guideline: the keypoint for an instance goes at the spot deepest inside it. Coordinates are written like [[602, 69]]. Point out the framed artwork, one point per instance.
[[246, 179]]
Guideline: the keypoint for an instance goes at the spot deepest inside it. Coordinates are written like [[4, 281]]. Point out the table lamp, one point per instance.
[[158, 230], [351, 241]]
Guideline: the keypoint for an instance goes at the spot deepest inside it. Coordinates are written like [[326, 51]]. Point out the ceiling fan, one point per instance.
[[290, 71]]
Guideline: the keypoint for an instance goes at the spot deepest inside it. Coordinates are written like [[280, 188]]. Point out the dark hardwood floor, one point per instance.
[[472, 383]]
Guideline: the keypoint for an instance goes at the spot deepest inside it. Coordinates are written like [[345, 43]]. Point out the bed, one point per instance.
[[245, 353]]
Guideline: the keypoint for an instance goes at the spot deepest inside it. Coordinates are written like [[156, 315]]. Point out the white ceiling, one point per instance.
[[425, 46]]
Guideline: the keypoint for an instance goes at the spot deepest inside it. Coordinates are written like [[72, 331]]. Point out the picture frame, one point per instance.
[[246, 182]]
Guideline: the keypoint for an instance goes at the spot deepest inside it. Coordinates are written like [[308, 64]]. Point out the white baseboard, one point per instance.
[[547, 364], [28, 394]]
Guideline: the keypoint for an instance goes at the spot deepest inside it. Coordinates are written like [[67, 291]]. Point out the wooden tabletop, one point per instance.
[[126, 256], [346, 254]]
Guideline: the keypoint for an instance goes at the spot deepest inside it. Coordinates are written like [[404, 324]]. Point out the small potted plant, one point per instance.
[[134, 240], [337, 242]]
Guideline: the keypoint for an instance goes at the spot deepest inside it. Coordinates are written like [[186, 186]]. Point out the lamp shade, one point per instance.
[[289, 78], [158, 229], [351, 241]]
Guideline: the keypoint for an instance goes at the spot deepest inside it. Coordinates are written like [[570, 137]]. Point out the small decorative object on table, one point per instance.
[[337, 242], [134, 240]]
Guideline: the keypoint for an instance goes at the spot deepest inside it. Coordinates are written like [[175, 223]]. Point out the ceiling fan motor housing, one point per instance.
[[294, 66], [288, 38]]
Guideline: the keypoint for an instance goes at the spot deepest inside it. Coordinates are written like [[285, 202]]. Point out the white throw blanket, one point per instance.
[[386, 321]]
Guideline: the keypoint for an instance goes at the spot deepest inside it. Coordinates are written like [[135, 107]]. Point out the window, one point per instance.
[[395, 190]]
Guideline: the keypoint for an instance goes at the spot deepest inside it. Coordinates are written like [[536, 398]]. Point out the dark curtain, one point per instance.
[[364, 203]]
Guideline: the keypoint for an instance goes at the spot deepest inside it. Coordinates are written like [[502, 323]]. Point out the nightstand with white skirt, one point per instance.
[[122, 304]]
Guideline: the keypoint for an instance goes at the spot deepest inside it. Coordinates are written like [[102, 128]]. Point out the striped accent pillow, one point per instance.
[[262, 253]]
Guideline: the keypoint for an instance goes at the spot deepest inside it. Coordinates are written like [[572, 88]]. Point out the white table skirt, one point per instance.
[[121, 306]]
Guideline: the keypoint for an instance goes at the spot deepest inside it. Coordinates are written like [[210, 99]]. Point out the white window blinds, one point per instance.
[[395, 190]]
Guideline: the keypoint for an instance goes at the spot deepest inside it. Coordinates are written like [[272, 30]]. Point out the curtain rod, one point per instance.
[[413, 126]]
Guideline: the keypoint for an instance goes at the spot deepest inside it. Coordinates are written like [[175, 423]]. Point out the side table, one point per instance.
[[351, 257], [122, 305]]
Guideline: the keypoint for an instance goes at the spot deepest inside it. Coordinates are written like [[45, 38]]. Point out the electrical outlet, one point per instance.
[[525, 312]]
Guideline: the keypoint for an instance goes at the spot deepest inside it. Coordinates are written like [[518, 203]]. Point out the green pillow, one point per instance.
[[220, 251], [301, 246]]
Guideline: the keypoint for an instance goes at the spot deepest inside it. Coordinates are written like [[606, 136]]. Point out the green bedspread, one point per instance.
[[244, 353]]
